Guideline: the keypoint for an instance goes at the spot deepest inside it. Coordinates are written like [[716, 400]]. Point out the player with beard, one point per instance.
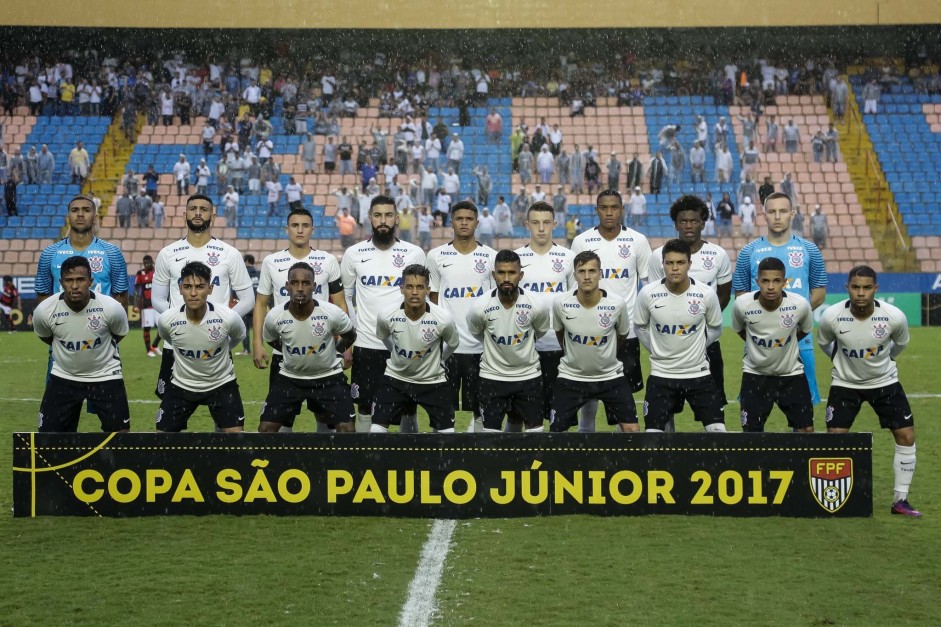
[[372, 271], [508, 321], [224, 261], [709, 265]]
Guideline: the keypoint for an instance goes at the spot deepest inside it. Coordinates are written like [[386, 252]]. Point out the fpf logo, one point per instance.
[[831, 481]]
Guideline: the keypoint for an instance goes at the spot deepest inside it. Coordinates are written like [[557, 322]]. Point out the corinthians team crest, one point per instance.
[[317, 267], [880, 331], [557, 265], [94, 323], [398, 260], [215, 333], [522, 317], [708, 263], [428, 334], [480, 266], [831, 481], [97, 263], [319, 328], [212, 259], [624, 251], [787, 320], [695, 307], [604, 319], [795, 259]]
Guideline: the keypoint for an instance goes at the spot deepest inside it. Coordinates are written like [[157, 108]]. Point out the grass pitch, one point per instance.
[[567, 570]]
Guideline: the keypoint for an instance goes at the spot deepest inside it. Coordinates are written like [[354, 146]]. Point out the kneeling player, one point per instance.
[[303, 331], [772, 322], [202, 335], [508, 322], [420, 337], [676, 319], [83, 328], [863, 336], [590, 326]]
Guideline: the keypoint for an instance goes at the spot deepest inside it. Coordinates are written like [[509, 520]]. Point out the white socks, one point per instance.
[[286, 429], [904, 467], [363, 423], [586, 417], [539, 429], [716, 427], [378, 429]]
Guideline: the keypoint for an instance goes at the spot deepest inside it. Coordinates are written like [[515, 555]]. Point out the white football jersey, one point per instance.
[[591, 336], [861, 358], [83, 345], [545, 278], [625, 261], [416, 344], [307, 345], [202, 361], [709, 266], [376, 275], [228, 269], [509, 335], [677, 324], [459, 279], [771, 346], [274, 275]]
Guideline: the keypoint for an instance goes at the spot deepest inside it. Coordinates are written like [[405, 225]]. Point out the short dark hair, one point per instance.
[[584, 257], [75, 262], [249, 259], [197, 269], [609, 192], [777, 195], [677, 246], [200, 197], [771, 263], [416, 269], [381, 199], [301, 265], [300, 212], [467, 205], [689, 203], [148, 258], [7, 278], [863, 271], [81, 197], [507, 256], [540, 206]]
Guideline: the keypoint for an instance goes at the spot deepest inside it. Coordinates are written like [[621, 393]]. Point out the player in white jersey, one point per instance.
[[590, 325], [676, 319], [226, 263], [202, 335], [863, 336], [373, 269], [420, 337], [460, 272], [709, 265], [772, 322], [273, 291], [303, 330], [625, 258], [547, 274], [508, 322], [83, 328]]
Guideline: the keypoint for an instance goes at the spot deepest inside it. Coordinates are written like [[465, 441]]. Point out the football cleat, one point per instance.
[[904, 508], [151, 353]]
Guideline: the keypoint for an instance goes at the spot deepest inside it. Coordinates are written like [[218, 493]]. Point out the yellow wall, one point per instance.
[[468, 13]]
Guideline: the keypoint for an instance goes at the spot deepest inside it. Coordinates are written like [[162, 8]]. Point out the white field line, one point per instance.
[[420, 605]]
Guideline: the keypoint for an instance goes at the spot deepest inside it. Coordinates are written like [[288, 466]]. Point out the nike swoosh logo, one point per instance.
[[127, 420], [283, 269], [365, 260], [847, 331], [491, 319], [59, 323], [659, 306], [908, 417], [181, 258], [526, 266], [906, 463], [446, 265], [569, 317]]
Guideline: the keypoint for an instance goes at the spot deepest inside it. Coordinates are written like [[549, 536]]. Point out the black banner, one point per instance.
[[442, 475]]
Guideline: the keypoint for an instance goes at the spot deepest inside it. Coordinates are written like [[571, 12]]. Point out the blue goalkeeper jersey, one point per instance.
[[108, 268]]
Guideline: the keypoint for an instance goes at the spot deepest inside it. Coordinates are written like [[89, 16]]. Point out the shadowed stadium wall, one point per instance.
[[432, 14]]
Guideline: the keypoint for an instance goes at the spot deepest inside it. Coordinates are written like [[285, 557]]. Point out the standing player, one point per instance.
[[143, 282], [709, 265], [806, 274], [109, 270], [547, 274], [224, 261], [83, 328], [676, 319], [202, 335], [303, 330], [460, 272], [9, 300], [590, 325], [420, 336], [373, 269], [508, 321], [863, 336], [272, 286], [625, 256], [772, 322]]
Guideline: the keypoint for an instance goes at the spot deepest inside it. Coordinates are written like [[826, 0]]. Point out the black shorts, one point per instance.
[[761, 392], [369, 367], [166, 370], [62, 401], [395, 396], [663, 394], [549, 364], [328, 397], [716, 369], [629, 356], [522, 399], [569, 395], [464, 379], [889, 402], [224, 402]]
